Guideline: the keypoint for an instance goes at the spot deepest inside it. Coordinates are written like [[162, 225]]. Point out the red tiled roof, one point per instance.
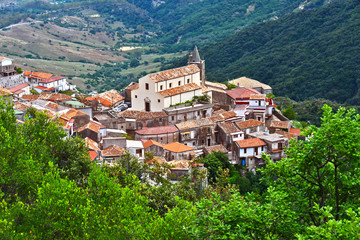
[[92, 144], [39, 75], [295, 131], [52, 79], [141, 115], [252, 142], [241, 93], [92, 126], [180, 89], [52, 105], [279, 124], [258, 96], [157, 130], [112, 151], [30, 98], [177, 147], [18, 87], [43, 88], [132, 86], [109, 98], [229, 127], [21, 106], [248, 124], [174, 73], [152, 142], [216, 148], [92, 154]]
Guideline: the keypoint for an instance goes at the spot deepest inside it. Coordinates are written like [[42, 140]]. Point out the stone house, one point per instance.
[[110, 121], [275, 143], [250, 126], [240, 96], [128, 90], [162, 89], [80, 118], [110, 141], [197, 133], [178, 151], [90, 130], [9, 77], [163, 134], [155, 147], [186, 112], [112, 153], [279, 126], [227, 133], [248, 152], [136, 120]]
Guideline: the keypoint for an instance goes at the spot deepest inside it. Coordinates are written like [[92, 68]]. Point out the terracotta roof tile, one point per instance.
[[92, 144], [183, 164], [258, 96], [111, 96], [180, 89], [113, 151], [93, 155], [52, 105], [194, 123], [216, 85], [248, 124], [141, 115], [241, 93], [174, 73], [222, 115], [295, 131], [18, 87], [92, 126], [39, 75], [132, 86], [229, 127], [177, 147], [4, 92], [216, 148], [52, 79], [21, 106], [248, 82], [252, 142], [152, 142], [279, 124], [73, 113], [157, 130], [30, 98]]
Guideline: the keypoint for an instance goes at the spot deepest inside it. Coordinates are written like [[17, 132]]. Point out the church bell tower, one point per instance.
[[194, 58]]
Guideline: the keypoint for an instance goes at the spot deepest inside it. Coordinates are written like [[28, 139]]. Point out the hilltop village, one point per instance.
[[175, 114]]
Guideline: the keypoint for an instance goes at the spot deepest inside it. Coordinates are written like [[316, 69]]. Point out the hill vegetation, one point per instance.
[[306, 55]]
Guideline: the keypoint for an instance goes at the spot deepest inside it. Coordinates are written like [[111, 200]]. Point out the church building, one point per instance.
[[162, 89]]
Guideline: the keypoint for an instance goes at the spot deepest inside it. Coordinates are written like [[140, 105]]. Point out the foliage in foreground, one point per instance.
[[313, 194]]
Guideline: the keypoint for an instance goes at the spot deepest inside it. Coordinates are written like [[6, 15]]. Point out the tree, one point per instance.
[[324, 170], [289, 113]]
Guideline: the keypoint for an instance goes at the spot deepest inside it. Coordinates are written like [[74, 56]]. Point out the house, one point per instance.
[[94, 150], [248, 152], [47, 82], [110, 121], [197, 133], [257, 108], [162, 89], [9, 77], [227, 133], [136, 120], [217, 93], [128, 90], [279, 126], [222, 116], [250, 126], [109, 141], [112, 153], [275, 143], [80, 118], [136, 148], [251, 83], [163, 134], [178, 151], [90, 130], [109, 98], [187, 111], [240, 96], [20, 90], [55, 97], [154, 146]]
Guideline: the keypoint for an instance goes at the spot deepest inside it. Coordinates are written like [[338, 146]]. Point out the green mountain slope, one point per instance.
[[311, 54]]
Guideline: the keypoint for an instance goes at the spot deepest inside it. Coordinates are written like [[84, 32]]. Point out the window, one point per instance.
[[244, 150], [193, 143], [179, 83], [135, 96], [188, 81], [161, 139], [161, 87], [169, 85], [235, 136], [158, 100], [172, 118], [147, 86], [209, 130]]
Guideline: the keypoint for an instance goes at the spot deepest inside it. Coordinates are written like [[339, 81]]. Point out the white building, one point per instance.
[[162, 89], [248, 152]]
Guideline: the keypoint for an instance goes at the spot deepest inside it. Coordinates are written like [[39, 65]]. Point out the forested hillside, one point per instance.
[[310, 54]]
